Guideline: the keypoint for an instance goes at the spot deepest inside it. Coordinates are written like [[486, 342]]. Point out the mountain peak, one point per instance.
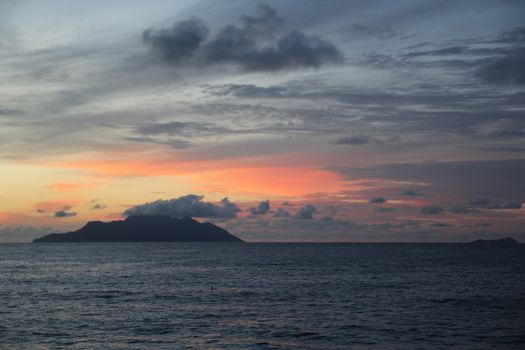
[[142, 228]]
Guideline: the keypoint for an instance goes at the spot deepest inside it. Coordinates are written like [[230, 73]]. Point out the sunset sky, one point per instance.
[[317, 120]]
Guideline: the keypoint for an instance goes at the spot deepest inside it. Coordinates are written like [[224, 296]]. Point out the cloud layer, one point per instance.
[[250, 45], [261, 209], [306, 213], [190, 205]]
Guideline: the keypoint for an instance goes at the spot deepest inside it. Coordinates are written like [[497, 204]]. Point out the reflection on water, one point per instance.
[[260, 296]]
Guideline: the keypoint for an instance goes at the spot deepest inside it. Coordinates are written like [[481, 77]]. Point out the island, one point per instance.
[[145, 229], [503, 242]]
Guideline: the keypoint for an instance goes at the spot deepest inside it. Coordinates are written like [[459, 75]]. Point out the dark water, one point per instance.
[[261, 296]]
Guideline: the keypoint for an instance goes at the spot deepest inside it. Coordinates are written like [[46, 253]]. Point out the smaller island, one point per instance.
[[144, 229], [503, 242]]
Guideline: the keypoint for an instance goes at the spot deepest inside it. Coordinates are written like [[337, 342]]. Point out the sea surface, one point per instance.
[[261, 296]]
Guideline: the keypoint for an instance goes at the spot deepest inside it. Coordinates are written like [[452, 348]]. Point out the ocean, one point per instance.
[[261, 296]]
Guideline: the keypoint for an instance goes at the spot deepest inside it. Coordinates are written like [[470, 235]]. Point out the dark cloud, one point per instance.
[[376, 30], [432, 210], [513, 36], [378, 200], [250, 45], [384, 209], [306, 212], [64, 213], [261, 209], [508, 133], [188, 130], [175, 44], [508, 69], [97, 206], [511, 149], [441, 224], [266, 20], [479, 202], [10, 112], [485, 203], [248, 90], [41, 211], [173, 143], [353, 140], [446, 51], [480, 224], [463, 178], [478, 113], [461, 209], [331, 210], [291, 229], [358, 140], [511, 205], [189, 205], [411, 193], [287, 204], [399, 225], [496, 60], [281, 213]]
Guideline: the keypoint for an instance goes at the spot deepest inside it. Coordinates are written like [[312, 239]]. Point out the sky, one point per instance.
[[289, 120]]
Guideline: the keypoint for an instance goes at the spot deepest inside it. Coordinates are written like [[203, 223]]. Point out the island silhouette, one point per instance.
[[145, 229], [502, 242]]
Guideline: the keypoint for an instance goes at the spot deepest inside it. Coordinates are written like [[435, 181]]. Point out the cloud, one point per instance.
[[497, 60], [432, 210], [479, 202], [384, 209], [64, 213], [286, 204], [291, 229], [306, 212], [173, 143], [511, 205], [353, 140], [188, 130], [331, 210], [467, 179], [97, 206], [441, 224], [458, 209], [267, 20], [485, 203], [188, 205], [398, 225], [10, 112], [378, 200], [376, 31], [262, 209], [515, 35], [446, 51], [281, 213], [250, 91], [358, 140], [511, 149], [480, 224], [508, 69], [250, 45], [411, 193], [179, 42], [21, 233]]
